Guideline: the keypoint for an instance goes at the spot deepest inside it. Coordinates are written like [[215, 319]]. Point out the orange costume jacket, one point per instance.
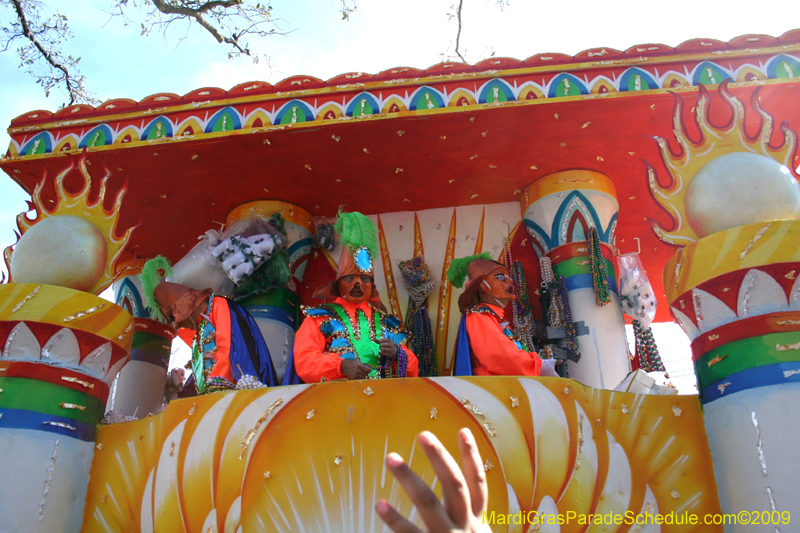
[[493, 348], [328, 335]]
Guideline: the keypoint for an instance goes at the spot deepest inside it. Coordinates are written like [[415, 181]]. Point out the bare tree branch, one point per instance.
[[28, 34], [458, 34], [197, 15], [43, 38]]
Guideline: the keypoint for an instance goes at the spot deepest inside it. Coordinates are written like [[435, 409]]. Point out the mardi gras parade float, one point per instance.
[[560, 168]]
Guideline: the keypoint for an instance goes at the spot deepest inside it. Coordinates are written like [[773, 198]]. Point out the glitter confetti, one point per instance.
[[267, 474], [514, 401], [81, 314], [337, 460], [562, 144], [490, 429], [755, 238], [368, 391], [252, 432], [625, 409], [675, 494], [99, 446], [310, 414], [336, 138], [787, 347], [566, 390], [759, 444], [192, 409], [25, 300], [485, 133], [676, 410], [434, 412], [488, 466]]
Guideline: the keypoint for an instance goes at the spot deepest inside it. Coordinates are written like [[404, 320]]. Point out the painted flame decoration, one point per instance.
[[79, 205], [694, 155]]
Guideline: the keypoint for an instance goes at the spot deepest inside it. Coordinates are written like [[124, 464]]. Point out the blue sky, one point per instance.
[[380, 34], [119, 63]]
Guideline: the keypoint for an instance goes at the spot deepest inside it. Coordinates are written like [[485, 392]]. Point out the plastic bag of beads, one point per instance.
[[200, 270], [635, 292], [248, 244]]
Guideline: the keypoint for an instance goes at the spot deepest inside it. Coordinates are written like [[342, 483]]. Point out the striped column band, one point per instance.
[[51, 399], [152, 342], [572, 261], [749, 353]]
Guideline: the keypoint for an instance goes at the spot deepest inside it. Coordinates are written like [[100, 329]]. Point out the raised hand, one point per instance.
[[465, 493]]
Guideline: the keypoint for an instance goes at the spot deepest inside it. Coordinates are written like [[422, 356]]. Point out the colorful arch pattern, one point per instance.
[[424, 98]]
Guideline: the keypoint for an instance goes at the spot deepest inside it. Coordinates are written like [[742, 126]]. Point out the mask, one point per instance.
[[356, 289], [499, 285]]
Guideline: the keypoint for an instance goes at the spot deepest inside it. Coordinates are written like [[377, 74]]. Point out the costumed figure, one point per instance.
[[353, 337], [486, 345], [226, 342]]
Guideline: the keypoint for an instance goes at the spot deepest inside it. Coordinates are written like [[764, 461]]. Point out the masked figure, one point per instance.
[[353, 337], [486, 345], [226, 342]]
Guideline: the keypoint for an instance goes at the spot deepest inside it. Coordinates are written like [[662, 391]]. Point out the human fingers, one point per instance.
[[454, 486], [388, 348], [428, 505], [362, 370], [396, 523], [473, 472]]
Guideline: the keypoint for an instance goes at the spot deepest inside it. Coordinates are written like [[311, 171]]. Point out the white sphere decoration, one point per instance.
[[738, 189], [62, 250]]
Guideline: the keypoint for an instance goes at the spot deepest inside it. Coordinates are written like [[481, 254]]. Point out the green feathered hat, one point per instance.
[[476, 268], [457, 273], [358, 238], [153, 273], [359, 248]]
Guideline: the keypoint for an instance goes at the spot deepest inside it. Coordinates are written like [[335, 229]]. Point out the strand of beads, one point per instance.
[[402, 362], [646, 350], [554, 313], [218, 384], [570, 333], [602, 291], [325, 237], [420, 282], [523, 314]]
